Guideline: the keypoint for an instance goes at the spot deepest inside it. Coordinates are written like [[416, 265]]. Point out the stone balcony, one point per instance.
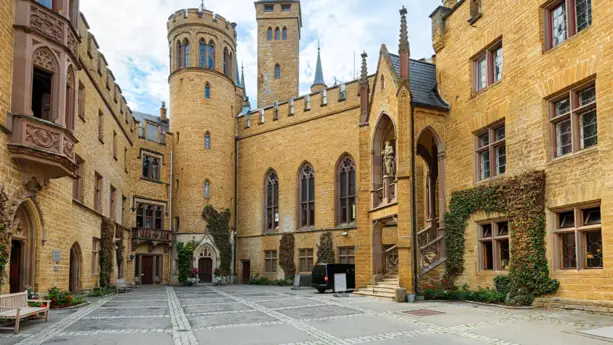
[[43, 148], [152, 236]]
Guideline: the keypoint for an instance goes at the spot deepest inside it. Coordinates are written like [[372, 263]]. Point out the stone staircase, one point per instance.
[[385, 289]]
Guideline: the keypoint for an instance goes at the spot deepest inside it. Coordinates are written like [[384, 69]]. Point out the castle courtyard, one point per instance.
[[235, 314]]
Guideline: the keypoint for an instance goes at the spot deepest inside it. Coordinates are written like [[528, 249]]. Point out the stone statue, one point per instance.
[[388, 157]]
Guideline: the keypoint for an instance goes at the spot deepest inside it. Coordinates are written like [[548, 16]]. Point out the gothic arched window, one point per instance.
[[207, 141], [179, 55], [226, 62], [202, 56], [277, 34], [211, 54], [307, 196], [272, 201], [207, 91], [346, 190], [186, 49], [284, 34], [270, 34], [277, 71], [207, 189]]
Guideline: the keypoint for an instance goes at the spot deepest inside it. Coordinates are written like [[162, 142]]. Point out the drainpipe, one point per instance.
[[413, 201], [235, 200], [171, 185]]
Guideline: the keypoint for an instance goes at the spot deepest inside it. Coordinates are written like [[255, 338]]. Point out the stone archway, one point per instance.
[[206, 259], [384, 151], [24, 234], [74, 278]]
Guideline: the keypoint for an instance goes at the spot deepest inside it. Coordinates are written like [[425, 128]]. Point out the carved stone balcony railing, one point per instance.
[[41, 147], [40, 19], [152, 236], [390, 260], [431, 242], [385, 194]]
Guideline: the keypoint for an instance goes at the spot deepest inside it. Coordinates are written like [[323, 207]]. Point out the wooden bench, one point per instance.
[[15, 307], [123, 286]]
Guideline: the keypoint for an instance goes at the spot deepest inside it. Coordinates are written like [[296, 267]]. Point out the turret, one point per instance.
[[319, 83]]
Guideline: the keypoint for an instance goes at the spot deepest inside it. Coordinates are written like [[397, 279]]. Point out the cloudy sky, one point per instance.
[[132, 36]]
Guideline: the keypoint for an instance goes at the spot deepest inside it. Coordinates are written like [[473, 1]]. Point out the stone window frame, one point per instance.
[[115, 145], [492, 146], [284, 33], [286, 7], [269, 34], [203, 48], [113, 203], [155, 218], [342, 92], [346, 255], [324, 97], [207, 189], [270, 261], [569, 18], [574, 223], [307, 103], [152, 173], [101, 126], [488, 57], [275, 111], [305, 260], [98, 191], [349, 214], [186, 53], [125, 159], [495, 240], [95, 255], [269, 8], [77, 182], [271, 204], [82, 94], [207, 90], [573, 117], [292, 107], [277, 71], [179, 56], [207, 140], [277, 34], [306, 196]]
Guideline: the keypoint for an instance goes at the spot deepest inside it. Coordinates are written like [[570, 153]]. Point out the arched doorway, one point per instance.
[[22, 270], [205, 266], [74, 278]]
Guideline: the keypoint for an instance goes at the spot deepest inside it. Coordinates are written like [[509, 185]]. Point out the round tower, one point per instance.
[[203, 105]]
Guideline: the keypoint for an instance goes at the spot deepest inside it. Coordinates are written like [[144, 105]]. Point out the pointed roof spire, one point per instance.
[[404, 35], [364, 73], [243, 75], [319, 74]]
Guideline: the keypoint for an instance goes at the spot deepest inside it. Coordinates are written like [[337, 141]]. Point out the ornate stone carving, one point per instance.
[[46, 24], [43, 57], [72, 43], [42, 138], [68, 148]]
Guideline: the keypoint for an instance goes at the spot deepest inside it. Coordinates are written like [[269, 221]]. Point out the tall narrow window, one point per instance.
[[98, 193], [95, 255], [149, 216], [207, 91], [77, 183], [307, 102], [70, 99], [202, 51], [180, 59], [211, 54], [491, 152], [186, 47], [42, 93], [124, 207], [307, 196], [81, 101], [207, 189], [272, 202], [566, 18], [277, 34], [305, 260], [125, 159], [276, 111], [494, 246], [346, 191], [382, 82], [574, 124], [101, 126], [269, 34], [291, 107], [277, 71], [115, 145], [207, 141], [346, 255], [324, 97], [151, 167], [342, 92], [113, 203], [284, 33], [487, 67], [270, 261], [579, 238]]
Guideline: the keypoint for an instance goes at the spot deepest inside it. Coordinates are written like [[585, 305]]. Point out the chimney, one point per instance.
[[404, 49], [163, 112], [364, 91]]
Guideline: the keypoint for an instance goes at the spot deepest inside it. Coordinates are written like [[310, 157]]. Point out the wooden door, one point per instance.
[[246, 272], [73, 278], [147, 269], [15, 270], [205, 270]]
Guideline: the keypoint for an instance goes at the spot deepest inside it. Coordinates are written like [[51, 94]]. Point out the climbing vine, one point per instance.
[[217, 226], [185, 254], [5, 248], [325, 248], [107, 234], [522, 199], [120, 246], [286, 255]]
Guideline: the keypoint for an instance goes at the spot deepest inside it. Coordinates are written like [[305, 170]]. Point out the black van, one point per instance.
[[323, 276]]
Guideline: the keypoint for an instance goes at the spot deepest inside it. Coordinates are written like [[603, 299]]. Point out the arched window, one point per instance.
[[226, 61], [284, 34], [346, 190], [270, 34], [70, 98], [179, 55], [272, 201], [211, 54], [277, 71], [230, 64], [207, 141], [186, 49], [207, 189], [207, 91], [307, 196], [382, 82], [202, 57], [277, 34]]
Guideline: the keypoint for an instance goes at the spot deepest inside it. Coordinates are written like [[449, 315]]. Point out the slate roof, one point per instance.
[[319, 74], [153, 118], [424, 89]]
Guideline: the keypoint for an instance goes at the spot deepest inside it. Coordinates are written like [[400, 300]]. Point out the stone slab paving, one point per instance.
[[260, 315]]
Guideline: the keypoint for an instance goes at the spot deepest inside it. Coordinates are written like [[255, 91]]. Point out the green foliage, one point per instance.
[[286, 255], [60, 298], [261, 280], [463, 293], [5, 239], [185, 254], [218, 227], [325, 249], [120, 246], [107, 245], [100, 292], [501, 283], [522, 199]]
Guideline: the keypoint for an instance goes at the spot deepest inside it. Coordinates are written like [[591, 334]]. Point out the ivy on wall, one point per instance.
[[107, 235], [120, 246], [218, 227], [522, 199], [325, 248], [286, 255], [5, 239], [185, 253]]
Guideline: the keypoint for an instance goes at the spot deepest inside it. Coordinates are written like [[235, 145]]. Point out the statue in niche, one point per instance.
[[388, 158]]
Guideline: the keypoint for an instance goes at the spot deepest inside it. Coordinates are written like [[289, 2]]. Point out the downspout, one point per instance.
[[171, 185], [413, 201], [235, 200]]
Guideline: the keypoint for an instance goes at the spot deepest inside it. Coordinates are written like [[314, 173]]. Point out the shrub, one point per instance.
[[501, 283], [286, 255], [325, 249], [463, 293]]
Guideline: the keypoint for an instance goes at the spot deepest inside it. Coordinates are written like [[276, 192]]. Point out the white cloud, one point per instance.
[[132, 36]]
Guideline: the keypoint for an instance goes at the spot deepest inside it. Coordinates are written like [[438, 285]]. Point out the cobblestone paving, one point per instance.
[[259, 315]]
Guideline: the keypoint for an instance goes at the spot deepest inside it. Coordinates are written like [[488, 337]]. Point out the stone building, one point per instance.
[[386, 154]]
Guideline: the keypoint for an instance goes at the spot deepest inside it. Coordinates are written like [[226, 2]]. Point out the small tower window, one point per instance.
[[342, 94], [270, 34], [207, 141], [291, 107], [179, 55], [262, 115], [276, 111], [203, 49], [277, 34], [286, 8], [207, 189], [211, 54], [226, 62], [285, 34], [324, 97], [277, 71], [269, 8], [307, 102], [207, 91], [186, 48]]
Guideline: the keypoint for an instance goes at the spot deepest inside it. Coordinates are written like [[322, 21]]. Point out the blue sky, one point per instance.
[[132, 36]]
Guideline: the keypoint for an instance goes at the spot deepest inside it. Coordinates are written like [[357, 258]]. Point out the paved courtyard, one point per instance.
[[238, 314]]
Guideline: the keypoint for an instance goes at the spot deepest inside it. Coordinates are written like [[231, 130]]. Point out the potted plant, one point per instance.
[[192, 280]]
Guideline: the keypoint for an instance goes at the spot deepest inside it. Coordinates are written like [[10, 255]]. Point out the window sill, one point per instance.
[[492, 273], [151, 180], [578, 34], [306, 228], [474, 19], [588, 151], [490, 179], [489, 87], [575, 271], [352, 225]]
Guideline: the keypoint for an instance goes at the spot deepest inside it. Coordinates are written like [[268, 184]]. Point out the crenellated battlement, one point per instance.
[[193, 16]]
